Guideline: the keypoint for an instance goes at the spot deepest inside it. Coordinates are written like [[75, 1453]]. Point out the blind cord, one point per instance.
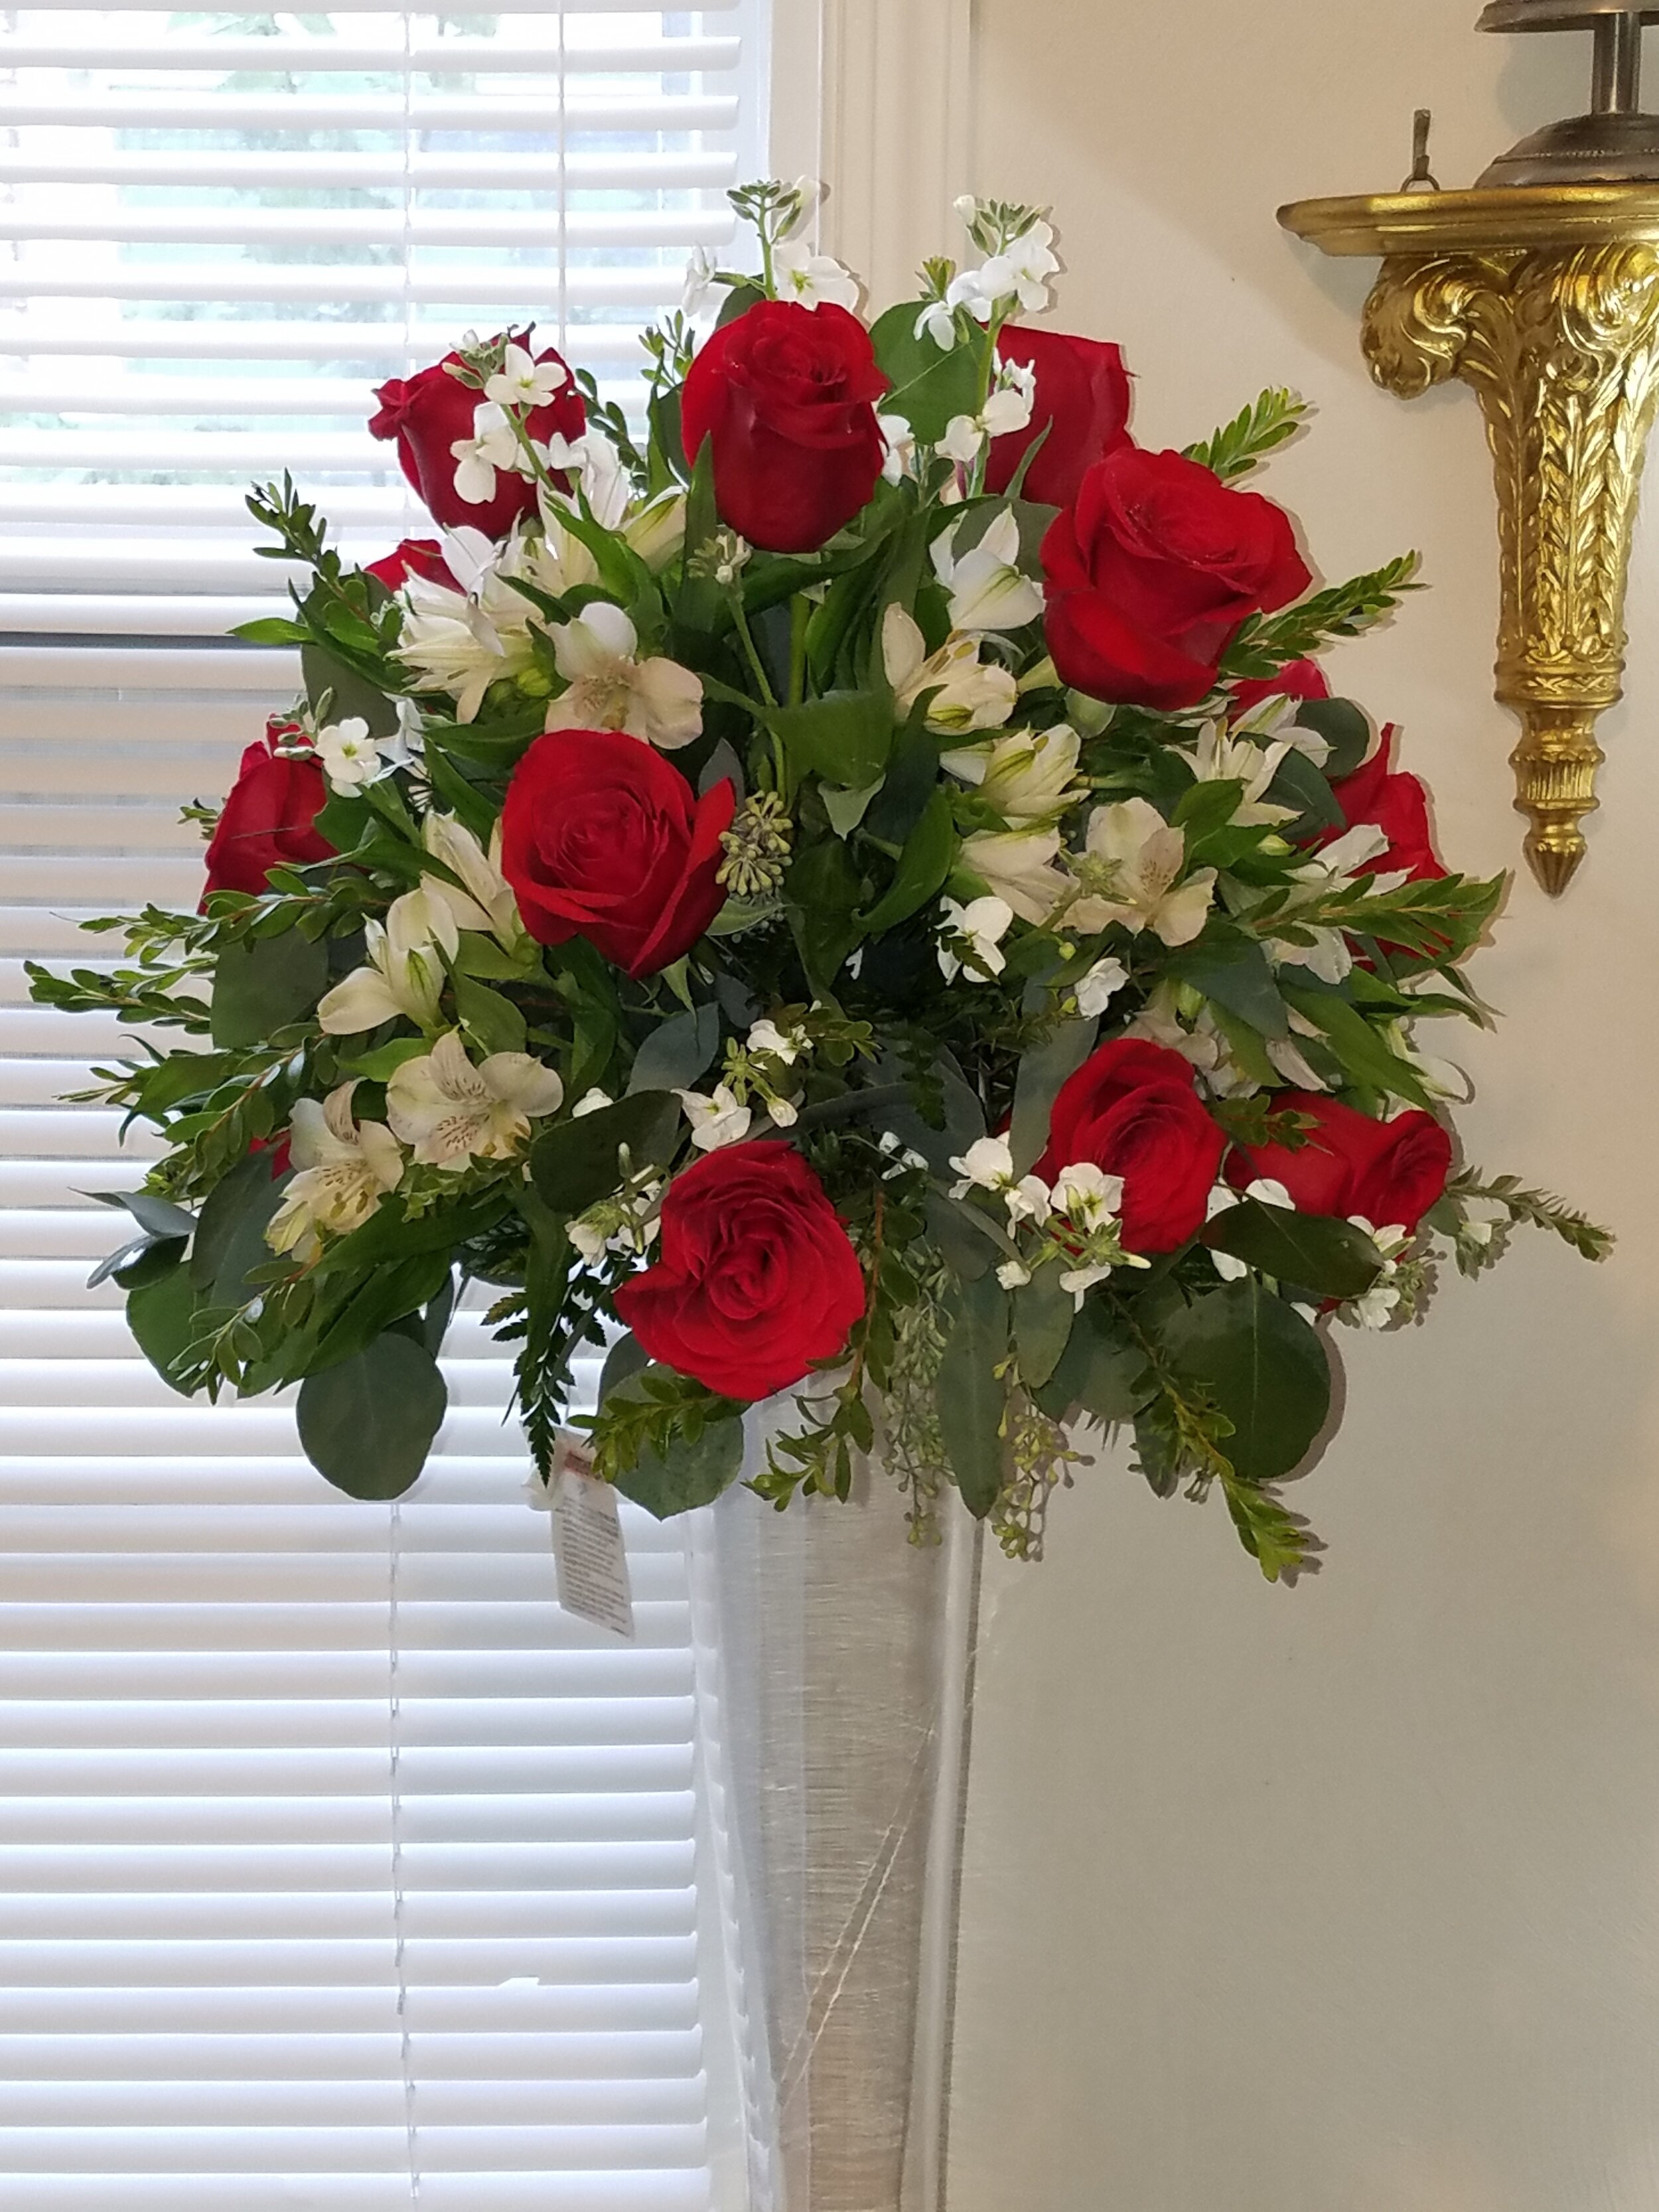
[[394, 1734]]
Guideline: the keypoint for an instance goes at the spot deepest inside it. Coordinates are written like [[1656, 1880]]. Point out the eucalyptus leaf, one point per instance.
[[1346, 728], [1313, 1252], [690, 1474], [1239, 979], [262, 984], [368, 1424], [1042, 1072], [1262, 1365], [1044, 1314], [673, 1056], [626, 1356], [161, 1315], [153, 1259], [494, 1023], [922, 868], [1103, 1370], [573, 1164], [156, 1215], [350, 695], [230, 1236], [971, 1400]]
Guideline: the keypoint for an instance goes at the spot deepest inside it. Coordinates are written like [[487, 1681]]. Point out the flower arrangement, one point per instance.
[[862, 886]]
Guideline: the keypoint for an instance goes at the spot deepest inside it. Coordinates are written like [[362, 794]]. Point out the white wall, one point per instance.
[[1346, 1899]]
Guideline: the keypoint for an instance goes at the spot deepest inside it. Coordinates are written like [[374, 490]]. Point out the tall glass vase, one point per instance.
[[845, 1673]]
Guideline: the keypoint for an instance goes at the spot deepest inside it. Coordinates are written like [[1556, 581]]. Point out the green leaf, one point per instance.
[[153, 1213], [923, 866], [845, 737], [161, 1315], [1262, 1365], [482, 957], [1043, 1070], [395, 1291], [1206, 806], [1309, 1251], [930, 386], [1239, 979], [383, 1063], [1298, 783], [847, 809], [368, 1424], [1043, 1317], [494, 1022], [672, 1057], [1103, 1370], [575, 1163], [1356, 1044], [230, 1237], [1346, 728], [350, 696], [150, 1263], [272, 629], [626, 1356], [824, 890], [1233, 451], [690, 1474], [971, 1400], [262, 984]]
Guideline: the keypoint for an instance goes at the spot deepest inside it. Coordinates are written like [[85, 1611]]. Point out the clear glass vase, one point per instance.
[[844, 1673]]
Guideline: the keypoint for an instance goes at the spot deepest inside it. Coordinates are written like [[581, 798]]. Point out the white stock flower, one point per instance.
[[346, 1169], [350, 757], [1009, 408], [1097, 990], [899, 442], [658, 532], [604, 484], [1028, 1200], [767, 1037], [969, 693], [1025, 774], [1087, 1196], [524, 381], [1018, 274], [813, 278], [405, 977], [1019, 865], [987, 590], [699, 287], [452, 1112], [492, 446], [1140, 857], [591, 1102], [988, 1164], [937, 322], [1221, 758], [486, 903], [984, 922], [715, 1121], [611, 690], [1013, 1275]]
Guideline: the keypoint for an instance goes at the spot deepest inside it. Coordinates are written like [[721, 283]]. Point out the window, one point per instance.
[[339, 1870]]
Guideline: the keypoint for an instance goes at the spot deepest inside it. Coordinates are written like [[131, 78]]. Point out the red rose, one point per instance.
[[1296, 679], [787, 395], [1082, 399], [415, 556], [602, 839], [1132, 1109], [755, 1280], [270, 818], [429, 414], [1397, 804], [1151, 572], [1389, 1172]]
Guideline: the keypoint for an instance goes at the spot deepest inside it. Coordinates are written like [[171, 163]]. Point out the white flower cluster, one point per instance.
[[1075, 1223]]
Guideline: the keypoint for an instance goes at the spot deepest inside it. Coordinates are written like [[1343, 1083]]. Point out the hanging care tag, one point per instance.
[[587, 1544]]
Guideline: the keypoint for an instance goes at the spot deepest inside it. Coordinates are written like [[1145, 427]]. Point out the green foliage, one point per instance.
[[367, 1424], [1309, 1251], [1262, 1366], [1245, 442], [972, 1398], [1265, 643]]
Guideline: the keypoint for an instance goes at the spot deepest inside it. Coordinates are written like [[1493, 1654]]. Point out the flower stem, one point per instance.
[[741, 619], [800, 614]]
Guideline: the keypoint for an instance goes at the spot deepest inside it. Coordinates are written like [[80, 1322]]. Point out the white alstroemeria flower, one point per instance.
[[813, 278], [487, 904], [611, 690], [346, 1169], [1025, 774], [1141, 856], [984, 922], [700, 286], [1087, 1196], [350, 757], [716, 1122], [1330, 957], [405, 978], [969, 693], [524, 381], [937, 322], [593, 461], [1009, 408], [1291, 1063], [987, 590], [453, 1112], [1028, 1200], [899, 442], [988, 1164], [784, 1045], [493, 445], [1019, 865], [591, 1102], [1221, 758], [658, 532], [1097, 990], [1349, 854], [459, 643], [1203, 1045]]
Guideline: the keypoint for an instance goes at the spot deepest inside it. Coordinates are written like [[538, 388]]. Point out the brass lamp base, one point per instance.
[[1545, 299]]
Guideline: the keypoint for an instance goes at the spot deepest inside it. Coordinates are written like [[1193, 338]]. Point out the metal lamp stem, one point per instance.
[[1616, 87]]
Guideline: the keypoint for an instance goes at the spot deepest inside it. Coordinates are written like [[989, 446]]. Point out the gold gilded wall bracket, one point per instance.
[[1545, 300]]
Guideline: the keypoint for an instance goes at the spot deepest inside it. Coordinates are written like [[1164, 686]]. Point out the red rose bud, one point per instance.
[[602, 839], [1388, 1172], [1296, 679], [755, 1281], [787, 394], [1132, 1109], [429, 414], [415, 556], [1150, 575], [281, 1150], [1398, 805], [269, 820], [1082, 401]]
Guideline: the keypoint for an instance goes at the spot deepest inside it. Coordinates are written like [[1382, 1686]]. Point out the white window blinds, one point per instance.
[[219, 231]]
